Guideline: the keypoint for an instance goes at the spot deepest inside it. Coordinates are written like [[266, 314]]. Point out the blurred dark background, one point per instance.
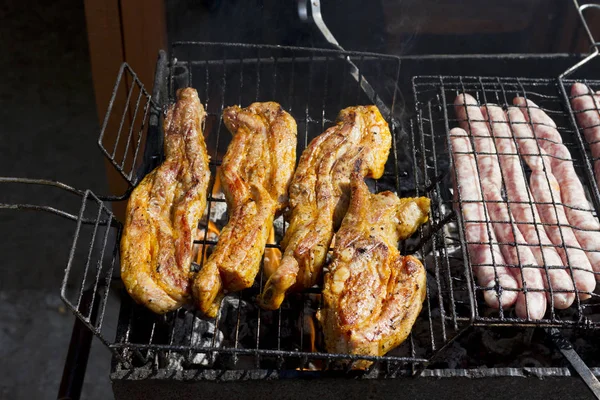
[[58, 62]]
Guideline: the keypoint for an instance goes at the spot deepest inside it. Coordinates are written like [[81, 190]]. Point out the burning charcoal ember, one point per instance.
[[238, 321]]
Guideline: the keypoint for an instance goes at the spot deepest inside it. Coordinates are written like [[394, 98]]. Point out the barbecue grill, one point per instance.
[[455, 335], [243, 337]]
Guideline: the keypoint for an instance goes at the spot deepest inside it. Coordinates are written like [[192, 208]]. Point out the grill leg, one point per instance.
[[79, 350]]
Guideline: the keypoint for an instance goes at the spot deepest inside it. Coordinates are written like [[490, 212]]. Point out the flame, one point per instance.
[[272, 256], [212, 234], [217, 185], [200, 255], [212, 228], [312, 332]]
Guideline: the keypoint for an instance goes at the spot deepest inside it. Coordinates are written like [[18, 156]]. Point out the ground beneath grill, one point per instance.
[[48, 129]]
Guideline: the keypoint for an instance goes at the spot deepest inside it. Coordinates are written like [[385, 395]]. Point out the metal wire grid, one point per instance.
[[590, 147], [91, 263], [129, 108], [313, 85], [434, 97]]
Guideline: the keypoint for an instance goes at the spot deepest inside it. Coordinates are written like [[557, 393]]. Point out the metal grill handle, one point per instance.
[[593, 43], [50, 209], [316, 16]]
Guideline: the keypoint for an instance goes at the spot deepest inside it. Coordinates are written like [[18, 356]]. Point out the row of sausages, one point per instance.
[[531, 242]]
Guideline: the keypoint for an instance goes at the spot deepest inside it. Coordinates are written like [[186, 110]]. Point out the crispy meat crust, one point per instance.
[[164, 210], [255, 173], [319, 196], [372, 294]]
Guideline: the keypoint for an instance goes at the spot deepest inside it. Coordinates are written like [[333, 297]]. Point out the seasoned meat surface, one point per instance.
[[255, 174], [163, 212], [372, 294], [319, 195]]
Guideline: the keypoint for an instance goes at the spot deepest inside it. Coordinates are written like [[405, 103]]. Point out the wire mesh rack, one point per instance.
[[123, 134], [313, 85], [516, 159]]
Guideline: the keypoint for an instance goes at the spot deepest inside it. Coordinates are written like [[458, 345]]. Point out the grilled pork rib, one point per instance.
[[164, 210], [255, 174], [319, 196], [372, 294]]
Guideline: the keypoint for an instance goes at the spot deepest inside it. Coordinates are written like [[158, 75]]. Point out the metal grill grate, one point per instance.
[[92, 262], [128, 113], [313, 85], [434, 97]]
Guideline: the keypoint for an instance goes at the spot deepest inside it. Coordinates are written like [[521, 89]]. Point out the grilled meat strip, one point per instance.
[[319, 196], [164, 210], [372, 294], [255, 174]]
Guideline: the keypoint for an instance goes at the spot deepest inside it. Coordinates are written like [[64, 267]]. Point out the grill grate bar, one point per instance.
[[216, 155], [123, 117], [258, 320], [139, 138], [107, 281], [99, 265], [569, 264], [130, 134], [435, 246], [89, 257], [126, 81], [427, 301]]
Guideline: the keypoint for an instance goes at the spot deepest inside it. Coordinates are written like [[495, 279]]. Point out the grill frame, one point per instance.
[[130, 353]]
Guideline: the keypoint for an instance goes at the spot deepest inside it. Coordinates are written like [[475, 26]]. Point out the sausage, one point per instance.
[[523, 211], [529, 304], [585, 105], [483, 251], [546, 192], [577, 208]]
